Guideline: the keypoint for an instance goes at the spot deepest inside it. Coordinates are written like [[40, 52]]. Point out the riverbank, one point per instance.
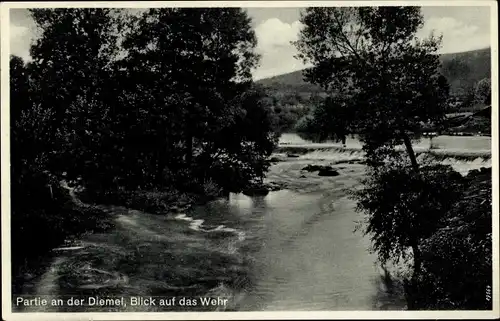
[[292, 249], [94, 214], [163, 201], [255, 251], [144, 254]]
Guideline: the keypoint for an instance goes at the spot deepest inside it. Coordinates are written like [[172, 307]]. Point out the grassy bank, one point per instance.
[[65, 213], [143, 254]]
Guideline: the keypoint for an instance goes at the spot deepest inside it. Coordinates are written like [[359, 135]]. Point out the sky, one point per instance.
[[462, 28]]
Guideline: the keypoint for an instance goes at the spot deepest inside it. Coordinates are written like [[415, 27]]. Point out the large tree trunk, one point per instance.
[[411, 152], [411, 288], [417, 260], [409, 295]]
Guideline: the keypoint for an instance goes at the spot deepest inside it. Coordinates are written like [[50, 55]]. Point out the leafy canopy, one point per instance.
[[371, 59], [404, 208], [187, 74]]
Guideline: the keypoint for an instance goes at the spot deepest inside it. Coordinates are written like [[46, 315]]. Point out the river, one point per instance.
[[294, 249]]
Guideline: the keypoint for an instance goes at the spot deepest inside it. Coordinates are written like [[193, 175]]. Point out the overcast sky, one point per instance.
[[463, 29]]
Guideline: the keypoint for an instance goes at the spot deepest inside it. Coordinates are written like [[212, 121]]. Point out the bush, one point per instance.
[[457, 258], [211, 189], [404, 207], [151, 201], [445, 219]]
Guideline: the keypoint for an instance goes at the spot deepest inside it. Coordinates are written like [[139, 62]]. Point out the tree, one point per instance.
[[40, 215], [186, 109], [483, 91], [244, 146], [71, 70], [29, 133], [457, 259], [329, 120], [385, 85], [404, 208], [372, 58], [168, 102], [19, 87], [57, 122], [469, 97], [26, 120]]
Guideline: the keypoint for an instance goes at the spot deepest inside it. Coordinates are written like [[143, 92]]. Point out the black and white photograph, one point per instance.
[[177, 158]]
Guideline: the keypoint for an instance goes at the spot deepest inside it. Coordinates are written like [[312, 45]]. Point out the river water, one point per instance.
[[294, 249]]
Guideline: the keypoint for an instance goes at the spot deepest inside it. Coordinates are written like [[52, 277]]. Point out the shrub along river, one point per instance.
[[293, 249]]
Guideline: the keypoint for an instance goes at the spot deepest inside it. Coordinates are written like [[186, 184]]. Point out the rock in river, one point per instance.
[[315, 168], [328, 172], [275, 160]]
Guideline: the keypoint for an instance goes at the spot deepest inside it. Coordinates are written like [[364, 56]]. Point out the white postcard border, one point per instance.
[[5, 177]]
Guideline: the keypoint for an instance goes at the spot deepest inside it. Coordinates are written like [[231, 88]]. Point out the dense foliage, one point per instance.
[[329, 120], [158, 101], [405, 206], [483, 91], [457, 271], [384, 85], [445, 219]]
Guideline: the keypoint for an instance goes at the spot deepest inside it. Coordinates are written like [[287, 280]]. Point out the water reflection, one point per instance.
[[306, 256], [258, 202], [240, 201]]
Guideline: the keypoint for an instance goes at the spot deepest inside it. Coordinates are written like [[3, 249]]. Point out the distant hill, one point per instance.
[[463, 70]]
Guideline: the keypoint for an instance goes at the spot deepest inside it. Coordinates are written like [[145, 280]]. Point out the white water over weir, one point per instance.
[[463, 153]]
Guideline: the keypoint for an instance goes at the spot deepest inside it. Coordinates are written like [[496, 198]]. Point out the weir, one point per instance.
[[440, 147], [326, 150]]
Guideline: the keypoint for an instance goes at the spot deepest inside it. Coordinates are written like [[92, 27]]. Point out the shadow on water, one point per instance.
[[389, 294]]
